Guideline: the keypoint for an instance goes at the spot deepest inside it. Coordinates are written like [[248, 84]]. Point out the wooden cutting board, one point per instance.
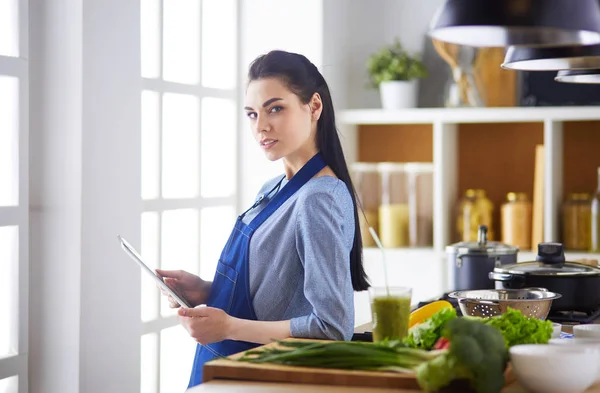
[[233, 370]]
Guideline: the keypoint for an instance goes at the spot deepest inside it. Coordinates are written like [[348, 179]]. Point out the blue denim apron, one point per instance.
[[230, 290]]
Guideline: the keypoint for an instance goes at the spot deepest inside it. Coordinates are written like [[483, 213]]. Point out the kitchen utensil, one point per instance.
[[579, 284], [471, 262], [532, 302]]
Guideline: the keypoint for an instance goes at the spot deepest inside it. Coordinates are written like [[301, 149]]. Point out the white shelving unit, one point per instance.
[[445, 122], [426, 269]]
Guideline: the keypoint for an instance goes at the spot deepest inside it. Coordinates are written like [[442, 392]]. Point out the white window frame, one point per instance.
[[19, 215], [160, 205]]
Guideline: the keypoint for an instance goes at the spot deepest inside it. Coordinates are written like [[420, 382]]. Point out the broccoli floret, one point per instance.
[[477, 354]]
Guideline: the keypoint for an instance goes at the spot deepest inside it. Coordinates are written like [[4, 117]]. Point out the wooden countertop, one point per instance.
[[266, 387]]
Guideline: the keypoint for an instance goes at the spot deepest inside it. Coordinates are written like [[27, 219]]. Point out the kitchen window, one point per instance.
[[189, 57], [14, 200]]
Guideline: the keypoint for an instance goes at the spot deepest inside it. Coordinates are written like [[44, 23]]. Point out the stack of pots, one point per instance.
[[470, 263], [579, 284]]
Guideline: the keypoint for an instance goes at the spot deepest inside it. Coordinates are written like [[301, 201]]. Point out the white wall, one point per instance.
[[85, 188], [268, 25]]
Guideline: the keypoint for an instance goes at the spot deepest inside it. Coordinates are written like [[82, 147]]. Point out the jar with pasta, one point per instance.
[[515, 220], [393, 211], [474, 209], [577, 214], [368, 189]]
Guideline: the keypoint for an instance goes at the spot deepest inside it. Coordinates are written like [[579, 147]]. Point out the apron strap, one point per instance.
[[307, 172], [260, 199]]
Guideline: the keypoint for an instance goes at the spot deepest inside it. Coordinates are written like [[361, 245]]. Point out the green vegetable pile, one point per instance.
[[516, 328], [426, 334], [476, 354]]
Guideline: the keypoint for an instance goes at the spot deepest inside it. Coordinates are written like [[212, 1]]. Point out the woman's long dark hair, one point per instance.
[[304, 79]]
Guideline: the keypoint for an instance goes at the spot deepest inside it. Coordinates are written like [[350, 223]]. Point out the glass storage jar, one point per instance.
[[420, 203], [393, 211], [368, 189], [515, 220], [474, 209], [577, 214], [595, 225]]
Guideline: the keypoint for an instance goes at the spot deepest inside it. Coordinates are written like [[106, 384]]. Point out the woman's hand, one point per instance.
[[190, 286], [206, 324]]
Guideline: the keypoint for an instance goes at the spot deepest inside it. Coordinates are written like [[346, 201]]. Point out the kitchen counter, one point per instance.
[[228, 386]]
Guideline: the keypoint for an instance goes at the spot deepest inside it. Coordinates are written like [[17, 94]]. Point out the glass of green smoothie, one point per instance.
[[390, 310]]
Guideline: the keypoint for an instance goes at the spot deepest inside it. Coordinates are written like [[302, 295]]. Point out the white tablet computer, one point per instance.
[[159, 280]]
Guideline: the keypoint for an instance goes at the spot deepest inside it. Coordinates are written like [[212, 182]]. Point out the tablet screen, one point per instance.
[[138, 259]]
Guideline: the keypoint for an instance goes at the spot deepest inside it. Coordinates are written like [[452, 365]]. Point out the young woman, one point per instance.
[[294, 257]]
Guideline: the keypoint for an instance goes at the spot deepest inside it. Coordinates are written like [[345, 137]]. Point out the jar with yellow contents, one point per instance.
[[577, 220], [474, 209], [393, 211], [368, 189]]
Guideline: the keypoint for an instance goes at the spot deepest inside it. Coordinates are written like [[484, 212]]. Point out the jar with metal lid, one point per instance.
[[515, 219], [474, 209], [368, 189], [393, 211], [577, 214], [470, 263], [420, 204]]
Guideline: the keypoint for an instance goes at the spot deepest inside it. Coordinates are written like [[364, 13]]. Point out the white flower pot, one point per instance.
[[398, 94]]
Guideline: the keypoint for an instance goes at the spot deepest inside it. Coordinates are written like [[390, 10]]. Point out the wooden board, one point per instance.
[[220, 369]]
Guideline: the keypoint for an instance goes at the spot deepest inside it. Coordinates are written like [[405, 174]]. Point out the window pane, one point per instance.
[[150, 292], [150, 144], [177, 351], [218, 147], [149, 363], [9, 140], [150, 38], [180, 146], [219, 29], [181, 40], [9, 28], [216, 224], [179, 247], [9, 290], [9, 385]]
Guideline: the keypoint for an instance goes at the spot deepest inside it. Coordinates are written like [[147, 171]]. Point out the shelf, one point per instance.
[[498, 158], [469, 115]]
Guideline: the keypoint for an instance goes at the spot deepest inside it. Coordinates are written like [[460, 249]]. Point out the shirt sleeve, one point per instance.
[[324, 239]]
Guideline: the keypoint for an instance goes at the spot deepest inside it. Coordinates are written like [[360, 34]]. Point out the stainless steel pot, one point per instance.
[[579, 284], [470, 263]]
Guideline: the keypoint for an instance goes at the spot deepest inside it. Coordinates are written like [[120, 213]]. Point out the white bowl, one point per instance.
[[580, 341], [546, 368], [556, 329], [587, 331]]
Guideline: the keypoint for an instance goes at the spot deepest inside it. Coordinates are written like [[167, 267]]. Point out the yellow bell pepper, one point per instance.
[[420, 315]]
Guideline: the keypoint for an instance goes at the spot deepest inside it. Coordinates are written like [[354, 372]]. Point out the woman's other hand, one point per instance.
[[190, 286], [206, 324]]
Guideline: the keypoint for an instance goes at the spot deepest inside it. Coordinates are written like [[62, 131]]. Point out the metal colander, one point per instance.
[[532, 302]]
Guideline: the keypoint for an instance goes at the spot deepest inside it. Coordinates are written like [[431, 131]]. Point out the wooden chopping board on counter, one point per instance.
[[228, 368]]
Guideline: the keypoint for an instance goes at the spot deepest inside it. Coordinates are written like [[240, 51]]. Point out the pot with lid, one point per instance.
[[578, 283], [470, 263]]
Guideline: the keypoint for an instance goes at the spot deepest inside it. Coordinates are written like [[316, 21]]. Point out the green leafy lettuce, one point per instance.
[[519, 329], [425, 335]]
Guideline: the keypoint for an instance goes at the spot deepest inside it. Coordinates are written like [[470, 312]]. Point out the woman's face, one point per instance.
[[283, 126]]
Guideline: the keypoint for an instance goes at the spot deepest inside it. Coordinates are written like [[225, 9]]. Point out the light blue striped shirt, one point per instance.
[[300, 260]]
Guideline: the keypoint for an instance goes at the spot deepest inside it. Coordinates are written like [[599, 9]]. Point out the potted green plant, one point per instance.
[[395, 72]]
